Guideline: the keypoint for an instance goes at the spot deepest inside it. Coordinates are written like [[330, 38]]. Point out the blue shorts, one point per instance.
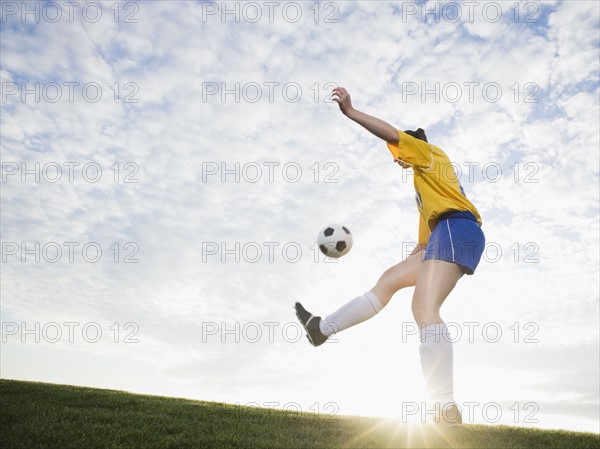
[[458, 238]]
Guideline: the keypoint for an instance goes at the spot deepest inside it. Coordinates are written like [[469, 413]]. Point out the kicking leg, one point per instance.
[[362, 307], [401, 275]]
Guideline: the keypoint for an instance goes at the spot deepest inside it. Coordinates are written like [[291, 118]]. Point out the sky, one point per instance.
[[167, 166]]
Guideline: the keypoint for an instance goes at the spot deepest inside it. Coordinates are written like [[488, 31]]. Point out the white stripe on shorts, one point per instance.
[[451, 243]]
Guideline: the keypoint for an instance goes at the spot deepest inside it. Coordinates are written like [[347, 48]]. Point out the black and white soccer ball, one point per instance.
[[335, 240]]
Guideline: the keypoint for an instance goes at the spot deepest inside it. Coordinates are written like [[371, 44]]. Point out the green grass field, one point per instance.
[[39, 415]]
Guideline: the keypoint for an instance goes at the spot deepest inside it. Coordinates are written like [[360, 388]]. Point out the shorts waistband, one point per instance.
[[457, 214]]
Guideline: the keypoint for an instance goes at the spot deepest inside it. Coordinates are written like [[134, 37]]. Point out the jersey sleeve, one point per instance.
[[424, 231], [412, 151]]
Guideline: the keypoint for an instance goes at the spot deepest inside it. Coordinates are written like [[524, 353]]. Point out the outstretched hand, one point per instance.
[[375, 126], [342, 98]]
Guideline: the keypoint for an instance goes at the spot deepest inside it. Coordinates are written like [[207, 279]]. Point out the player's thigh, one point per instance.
[[401, 275], [435, 281]]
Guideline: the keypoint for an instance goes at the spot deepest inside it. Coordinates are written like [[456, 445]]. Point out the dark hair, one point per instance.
[[418, 134]]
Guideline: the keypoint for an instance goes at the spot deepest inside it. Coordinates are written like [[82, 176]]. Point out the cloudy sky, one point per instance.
[[166, 167]]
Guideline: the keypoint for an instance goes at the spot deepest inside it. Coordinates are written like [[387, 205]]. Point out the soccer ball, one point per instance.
[[335, 240]]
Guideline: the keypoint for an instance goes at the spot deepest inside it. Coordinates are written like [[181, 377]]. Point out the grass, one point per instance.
[[39, 415]]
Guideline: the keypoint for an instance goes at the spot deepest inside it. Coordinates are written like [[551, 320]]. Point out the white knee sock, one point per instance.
[[356, 311], [436, 362]]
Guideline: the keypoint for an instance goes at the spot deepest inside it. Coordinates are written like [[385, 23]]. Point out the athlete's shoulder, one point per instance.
[[414, 151]]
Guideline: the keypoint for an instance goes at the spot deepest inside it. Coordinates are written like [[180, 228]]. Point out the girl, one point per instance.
[[450, 244]]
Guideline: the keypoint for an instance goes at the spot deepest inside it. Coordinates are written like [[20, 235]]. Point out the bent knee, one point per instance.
[[424, 313]]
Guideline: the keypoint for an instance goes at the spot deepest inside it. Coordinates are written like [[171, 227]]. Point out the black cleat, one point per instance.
[[311, 325]]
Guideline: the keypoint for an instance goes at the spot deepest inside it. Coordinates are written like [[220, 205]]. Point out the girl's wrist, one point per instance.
[[350, 112]]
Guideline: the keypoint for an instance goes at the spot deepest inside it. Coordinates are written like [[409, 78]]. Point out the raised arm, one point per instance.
[[376, 126]]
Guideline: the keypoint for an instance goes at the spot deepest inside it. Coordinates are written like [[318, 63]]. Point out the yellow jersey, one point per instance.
[[437, 188]]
